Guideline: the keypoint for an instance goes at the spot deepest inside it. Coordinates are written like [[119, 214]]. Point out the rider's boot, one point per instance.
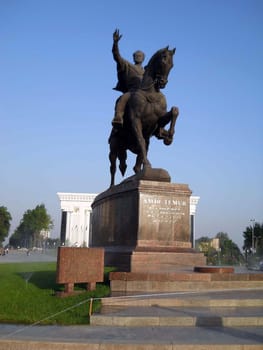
[[117, 121], [120, 105]]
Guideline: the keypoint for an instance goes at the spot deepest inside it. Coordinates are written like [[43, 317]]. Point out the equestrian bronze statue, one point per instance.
[[141, 112]]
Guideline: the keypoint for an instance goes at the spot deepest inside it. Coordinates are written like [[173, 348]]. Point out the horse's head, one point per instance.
[[159, 67]]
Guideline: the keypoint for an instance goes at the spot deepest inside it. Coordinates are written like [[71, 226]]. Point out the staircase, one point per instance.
[[208, 320], [232, 308]]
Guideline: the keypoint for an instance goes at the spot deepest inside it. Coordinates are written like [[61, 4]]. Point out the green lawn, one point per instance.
[[28, 295]]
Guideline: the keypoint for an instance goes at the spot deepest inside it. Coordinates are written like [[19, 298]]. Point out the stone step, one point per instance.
[[184, 317], [226, 308], [173, 286], [225, 298], [171, 338], [184, 303], [132, 282]]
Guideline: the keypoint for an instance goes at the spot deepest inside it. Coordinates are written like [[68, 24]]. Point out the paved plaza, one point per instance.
[[133, 335], [22, 255]]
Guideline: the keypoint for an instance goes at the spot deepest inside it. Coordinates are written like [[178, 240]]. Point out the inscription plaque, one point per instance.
[[164, 219], [163, 210]]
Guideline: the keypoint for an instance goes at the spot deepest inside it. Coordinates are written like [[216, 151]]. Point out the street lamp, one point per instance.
[[253, 227]]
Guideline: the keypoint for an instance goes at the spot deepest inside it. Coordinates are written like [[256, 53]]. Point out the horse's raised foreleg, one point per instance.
[[174, 114], [167, 135]]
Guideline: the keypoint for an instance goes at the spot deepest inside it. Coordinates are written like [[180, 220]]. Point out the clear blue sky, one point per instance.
[[57, 102]]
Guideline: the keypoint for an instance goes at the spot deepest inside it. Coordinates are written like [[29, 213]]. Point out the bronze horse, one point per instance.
[[145, 116]]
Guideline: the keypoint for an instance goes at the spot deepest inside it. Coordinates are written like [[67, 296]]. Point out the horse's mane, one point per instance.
[[154, 56], [150, 68]]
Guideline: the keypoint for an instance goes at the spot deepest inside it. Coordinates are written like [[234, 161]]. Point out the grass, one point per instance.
[[28, 296]]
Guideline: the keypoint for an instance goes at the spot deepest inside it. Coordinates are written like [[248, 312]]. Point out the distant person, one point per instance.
[[129, 78]]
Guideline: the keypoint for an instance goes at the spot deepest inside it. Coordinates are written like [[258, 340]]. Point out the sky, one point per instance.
[[56, 102]]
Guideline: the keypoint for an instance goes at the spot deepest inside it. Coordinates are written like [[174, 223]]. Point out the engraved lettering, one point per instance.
[[164, 210]]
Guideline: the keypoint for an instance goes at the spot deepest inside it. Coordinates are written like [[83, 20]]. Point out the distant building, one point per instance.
[[76, 213], [75, 218], [45, 234]]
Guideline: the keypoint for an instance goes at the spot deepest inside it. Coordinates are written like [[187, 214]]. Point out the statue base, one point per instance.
[[143, 224]]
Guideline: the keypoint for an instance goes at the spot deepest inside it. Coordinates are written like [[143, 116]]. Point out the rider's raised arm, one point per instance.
[[115, 47]]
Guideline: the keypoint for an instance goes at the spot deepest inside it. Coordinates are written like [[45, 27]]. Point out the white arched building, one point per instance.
[[76, 212], [75, 218]]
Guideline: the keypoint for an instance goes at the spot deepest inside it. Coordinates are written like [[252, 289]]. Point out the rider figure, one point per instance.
[[129, 78]]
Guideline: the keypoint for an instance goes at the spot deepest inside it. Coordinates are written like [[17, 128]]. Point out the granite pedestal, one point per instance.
[[144, 224]]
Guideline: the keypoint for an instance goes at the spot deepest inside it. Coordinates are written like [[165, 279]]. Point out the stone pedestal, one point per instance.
[[144, 224]]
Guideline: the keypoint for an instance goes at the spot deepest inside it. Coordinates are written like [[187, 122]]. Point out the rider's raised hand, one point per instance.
[[116, 35]]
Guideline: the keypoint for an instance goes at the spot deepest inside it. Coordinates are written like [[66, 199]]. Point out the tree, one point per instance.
[[5, 222], [28, 233], [227, 253], [223, 237], [257, 232], [204, 245], [52, 242]]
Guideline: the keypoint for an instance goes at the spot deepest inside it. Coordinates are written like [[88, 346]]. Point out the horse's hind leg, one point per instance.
[[137, 127], [138, 165]]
